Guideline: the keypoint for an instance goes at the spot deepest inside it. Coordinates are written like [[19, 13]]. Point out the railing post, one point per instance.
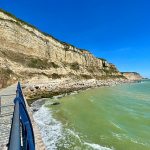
[[0, 105], [14, 139], [24, 138]]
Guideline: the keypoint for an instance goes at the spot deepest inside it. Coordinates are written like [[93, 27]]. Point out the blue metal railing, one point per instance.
[[21, 123], [15, 130]]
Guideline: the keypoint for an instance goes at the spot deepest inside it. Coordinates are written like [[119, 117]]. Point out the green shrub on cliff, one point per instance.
[[5, 73], [35, 63], [32, 62], [41, 64], [74, 66], [84, 76], [56, 76], [102, 59]]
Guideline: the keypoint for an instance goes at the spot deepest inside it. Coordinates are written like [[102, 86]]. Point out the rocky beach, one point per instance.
[[50, 68], [59, 125], [42, 88]]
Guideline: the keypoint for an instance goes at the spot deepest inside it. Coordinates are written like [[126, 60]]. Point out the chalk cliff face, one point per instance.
[[132, 75], [26, 52]]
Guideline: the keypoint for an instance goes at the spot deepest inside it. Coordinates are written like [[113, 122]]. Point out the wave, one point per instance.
[[116, 125], [88, 146], [52, 132], [97, 147], [75, 135], [126, 137], [51, 129]]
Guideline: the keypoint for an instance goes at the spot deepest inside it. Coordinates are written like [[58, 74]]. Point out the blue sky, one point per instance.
[[118, 30]]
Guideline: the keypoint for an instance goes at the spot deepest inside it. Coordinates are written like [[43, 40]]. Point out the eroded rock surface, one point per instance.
[[132, 76], [25, 52]]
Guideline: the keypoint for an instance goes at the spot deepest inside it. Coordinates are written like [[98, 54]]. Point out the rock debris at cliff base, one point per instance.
[[26, 52]]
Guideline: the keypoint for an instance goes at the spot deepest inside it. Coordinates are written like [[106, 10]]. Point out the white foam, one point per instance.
[[118, 136], [136, 140], [114, 124], [139, 142], [90, 145], [96, 146], [51, 129], [74, 134], [126, 137]]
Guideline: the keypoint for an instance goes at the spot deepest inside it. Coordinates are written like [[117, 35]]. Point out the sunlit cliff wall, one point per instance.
[[27, 52]]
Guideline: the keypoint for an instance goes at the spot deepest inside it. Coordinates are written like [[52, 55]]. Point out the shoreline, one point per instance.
[[39, 89], [39, 110], [53, 130]]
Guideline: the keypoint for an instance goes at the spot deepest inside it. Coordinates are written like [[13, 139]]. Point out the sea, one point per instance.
[[105, 118]]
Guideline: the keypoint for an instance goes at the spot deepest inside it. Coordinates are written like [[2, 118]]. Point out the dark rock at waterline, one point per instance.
[[35, 109], [55, 103], [36, 105], [37, 87]]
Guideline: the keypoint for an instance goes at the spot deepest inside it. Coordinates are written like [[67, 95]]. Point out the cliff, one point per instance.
[[132, 76], [26, 52]]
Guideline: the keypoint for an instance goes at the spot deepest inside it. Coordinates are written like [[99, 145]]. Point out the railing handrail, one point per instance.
[[27, 137], [14, 140]]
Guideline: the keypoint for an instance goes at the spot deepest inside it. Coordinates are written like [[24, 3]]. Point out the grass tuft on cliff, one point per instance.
[[28, 60], [20, 22]]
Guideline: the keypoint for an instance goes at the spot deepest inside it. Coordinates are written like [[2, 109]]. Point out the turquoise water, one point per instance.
[[105, 118]]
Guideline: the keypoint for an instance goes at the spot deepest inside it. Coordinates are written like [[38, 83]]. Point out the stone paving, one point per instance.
[[6, 117], [6, 114]]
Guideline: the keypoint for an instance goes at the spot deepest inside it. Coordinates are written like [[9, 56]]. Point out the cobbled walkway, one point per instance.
[[6, 114]]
